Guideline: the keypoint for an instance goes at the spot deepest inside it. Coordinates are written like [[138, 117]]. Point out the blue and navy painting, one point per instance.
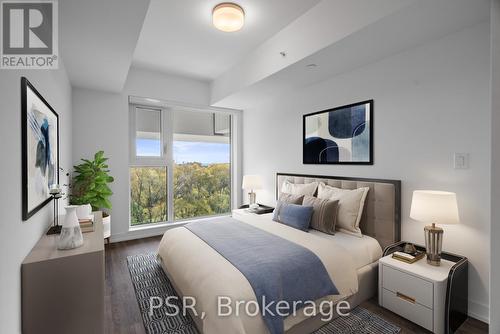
[[340, 135]]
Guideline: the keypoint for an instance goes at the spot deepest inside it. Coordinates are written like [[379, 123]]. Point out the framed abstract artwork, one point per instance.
[[40, 149], [342, 135]]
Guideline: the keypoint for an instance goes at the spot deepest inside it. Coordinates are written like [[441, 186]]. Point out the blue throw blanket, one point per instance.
[[277, 269]]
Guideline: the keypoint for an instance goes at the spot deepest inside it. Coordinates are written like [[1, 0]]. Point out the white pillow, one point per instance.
[[351, 204], [299, 188]]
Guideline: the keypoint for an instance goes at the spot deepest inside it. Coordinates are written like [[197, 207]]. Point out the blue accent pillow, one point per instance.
[[296, 216]]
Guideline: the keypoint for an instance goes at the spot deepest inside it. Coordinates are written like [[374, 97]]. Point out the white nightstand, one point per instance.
[[241, 213], [243, 210], [424, 294]]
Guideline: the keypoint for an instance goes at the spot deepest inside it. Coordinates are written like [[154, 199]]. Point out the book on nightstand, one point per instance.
[[408, 258]]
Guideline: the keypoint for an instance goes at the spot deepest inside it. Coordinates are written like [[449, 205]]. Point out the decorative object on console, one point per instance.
[[40, 149], [252, 182], [71, 234], [56, 192], [85, 218], [84, 212], [342, 135], [90, 186], [436, 207]]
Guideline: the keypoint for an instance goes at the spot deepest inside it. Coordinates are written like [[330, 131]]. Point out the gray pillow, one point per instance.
[[324, 215], [286, 198], [351, 205]]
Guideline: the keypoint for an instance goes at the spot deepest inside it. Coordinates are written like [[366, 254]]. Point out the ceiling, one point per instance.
[[97, 41], [400, 31], [246, 67], [178, 37]]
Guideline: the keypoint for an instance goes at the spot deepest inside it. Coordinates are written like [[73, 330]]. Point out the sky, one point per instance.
[[185, 151]]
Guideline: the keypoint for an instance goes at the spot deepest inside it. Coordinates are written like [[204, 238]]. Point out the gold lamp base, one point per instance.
[[433, 244]]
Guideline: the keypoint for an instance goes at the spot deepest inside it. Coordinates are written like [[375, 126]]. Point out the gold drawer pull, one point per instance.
[[405, 297]]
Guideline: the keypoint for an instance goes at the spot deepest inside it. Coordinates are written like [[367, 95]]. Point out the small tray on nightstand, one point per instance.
[[261, 210]]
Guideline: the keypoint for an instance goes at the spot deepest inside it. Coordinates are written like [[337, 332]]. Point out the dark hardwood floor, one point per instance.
[[122, 313]]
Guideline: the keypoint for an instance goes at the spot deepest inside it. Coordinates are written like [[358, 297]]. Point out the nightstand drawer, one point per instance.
[[412, 311], [417, 289]]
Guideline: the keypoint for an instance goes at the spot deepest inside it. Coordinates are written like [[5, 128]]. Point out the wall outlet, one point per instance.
[[461, 160]]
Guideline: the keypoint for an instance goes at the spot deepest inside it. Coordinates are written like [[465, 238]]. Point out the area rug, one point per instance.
[[149, 279]]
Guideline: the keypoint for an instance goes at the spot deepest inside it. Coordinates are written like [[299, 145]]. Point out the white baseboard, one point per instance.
[[479, 311], [140, 233]]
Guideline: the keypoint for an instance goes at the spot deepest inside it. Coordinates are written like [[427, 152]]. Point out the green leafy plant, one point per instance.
[[90, 183]]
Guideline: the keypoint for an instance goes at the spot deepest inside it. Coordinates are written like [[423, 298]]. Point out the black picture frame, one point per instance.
[[371, 128], [25, 87]]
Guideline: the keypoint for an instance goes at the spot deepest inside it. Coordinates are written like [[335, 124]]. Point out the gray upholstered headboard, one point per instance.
[[382, 213]]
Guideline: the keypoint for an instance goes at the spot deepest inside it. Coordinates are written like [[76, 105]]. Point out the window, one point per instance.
[[181, 164], [148, 195], [202, 166], [148, 133]]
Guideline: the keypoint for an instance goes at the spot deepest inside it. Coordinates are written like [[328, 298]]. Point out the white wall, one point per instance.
[[100, 122], [495, 169], [429, 103], [18, 237]]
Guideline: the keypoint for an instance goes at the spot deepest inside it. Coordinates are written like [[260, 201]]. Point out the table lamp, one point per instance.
[[435, 207], [252, 182]]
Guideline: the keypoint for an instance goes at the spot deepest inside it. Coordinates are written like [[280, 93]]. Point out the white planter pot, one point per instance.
[[106, 223]]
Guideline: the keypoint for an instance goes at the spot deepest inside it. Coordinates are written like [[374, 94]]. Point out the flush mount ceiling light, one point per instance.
[[228, 17]]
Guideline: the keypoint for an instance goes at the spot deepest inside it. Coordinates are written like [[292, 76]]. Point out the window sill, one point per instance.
[[174, 224]]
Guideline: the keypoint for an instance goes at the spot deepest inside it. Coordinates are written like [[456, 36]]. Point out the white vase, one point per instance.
[[71, 234], [84, 211]]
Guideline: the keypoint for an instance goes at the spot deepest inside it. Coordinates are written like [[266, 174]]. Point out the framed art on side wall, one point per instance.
[[40, 149], [342, 135]]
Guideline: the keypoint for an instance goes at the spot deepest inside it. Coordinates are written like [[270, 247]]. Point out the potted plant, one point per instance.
[[90, 186]]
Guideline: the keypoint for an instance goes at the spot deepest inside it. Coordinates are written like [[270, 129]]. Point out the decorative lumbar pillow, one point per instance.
[[351, 205], [286, 198], [299, 188], [296, 216], [324, 214]]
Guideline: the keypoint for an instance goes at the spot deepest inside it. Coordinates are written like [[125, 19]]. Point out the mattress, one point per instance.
[[364, 250], [200, 272]]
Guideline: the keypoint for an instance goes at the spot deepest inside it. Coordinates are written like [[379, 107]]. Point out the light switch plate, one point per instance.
[[461, 160]]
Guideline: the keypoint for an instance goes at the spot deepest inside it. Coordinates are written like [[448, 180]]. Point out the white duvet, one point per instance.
[[201, 272]]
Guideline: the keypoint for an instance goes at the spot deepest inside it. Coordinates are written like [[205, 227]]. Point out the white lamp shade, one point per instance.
[[252, 182], [431, 206]]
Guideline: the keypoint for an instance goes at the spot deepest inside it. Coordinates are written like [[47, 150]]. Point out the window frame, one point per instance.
[[167, 109], [144, 161]]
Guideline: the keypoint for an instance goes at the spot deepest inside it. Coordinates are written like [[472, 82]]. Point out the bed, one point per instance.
[[197, 270]]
